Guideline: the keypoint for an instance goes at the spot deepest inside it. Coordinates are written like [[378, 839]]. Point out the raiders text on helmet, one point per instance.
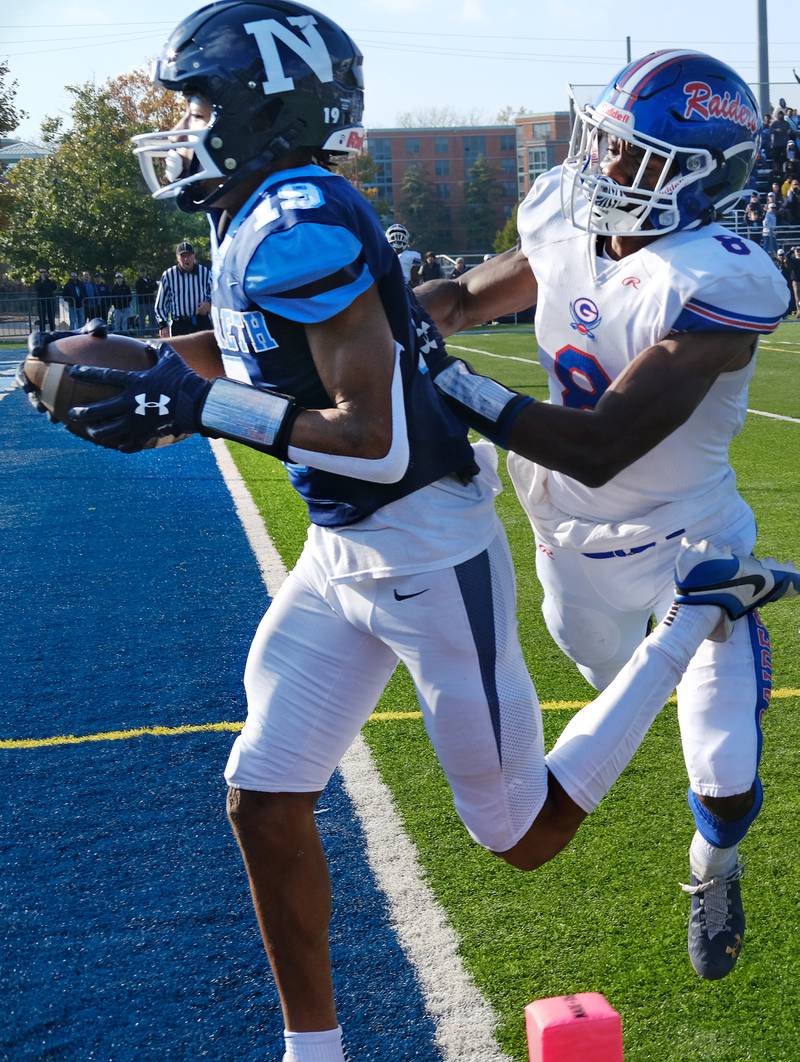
[[278, 76], [685, 109]]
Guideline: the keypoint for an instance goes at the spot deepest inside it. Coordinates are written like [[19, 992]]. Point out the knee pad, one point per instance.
[[718, 832]]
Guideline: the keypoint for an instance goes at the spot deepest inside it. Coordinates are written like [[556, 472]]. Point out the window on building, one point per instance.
[[442, 191], [537, 162], [442, 145], [508, 165], [541, 131], [509, 188], [508, 142], [381, 148], [474, 146], [442, 167], [412, 145]]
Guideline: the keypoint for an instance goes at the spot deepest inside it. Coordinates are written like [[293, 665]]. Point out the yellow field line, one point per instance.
[[234, 727]]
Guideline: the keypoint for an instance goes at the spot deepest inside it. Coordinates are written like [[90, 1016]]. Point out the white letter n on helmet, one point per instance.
[[312, 50]]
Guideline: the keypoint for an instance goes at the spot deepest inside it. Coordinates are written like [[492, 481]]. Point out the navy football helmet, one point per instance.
[[399, 237], [278, 76], [685, 109]]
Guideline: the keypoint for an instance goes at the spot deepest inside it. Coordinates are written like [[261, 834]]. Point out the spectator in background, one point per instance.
[[89, 295], [794, 270], [46, 290], [754, 217], [792, 202], [769, 229], [121, 301], [430, 268], [184, 295], [74, 294], [780, 131], [102, 296], [782, 262], [791, 165], [459, 270], [145, 288]]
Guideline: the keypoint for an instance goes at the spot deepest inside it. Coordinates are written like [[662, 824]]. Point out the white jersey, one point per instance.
[[409, 259], [591, 323]]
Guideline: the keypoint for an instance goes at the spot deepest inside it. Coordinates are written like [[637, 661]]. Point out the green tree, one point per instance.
[[507, 237], [419, 209], [10, 114], [86, 205], [480, 213]]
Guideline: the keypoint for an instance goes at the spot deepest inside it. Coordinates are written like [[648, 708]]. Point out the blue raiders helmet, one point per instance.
[[399, 237], [278, 76], [685, 109]]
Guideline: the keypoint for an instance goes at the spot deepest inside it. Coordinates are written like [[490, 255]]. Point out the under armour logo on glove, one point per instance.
[[129, 421], [142, 405], [428, 342]]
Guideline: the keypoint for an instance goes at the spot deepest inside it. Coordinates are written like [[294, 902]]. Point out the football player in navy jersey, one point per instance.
[[317, 358]]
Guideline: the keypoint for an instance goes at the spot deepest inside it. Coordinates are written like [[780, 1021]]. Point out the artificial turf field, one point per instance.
[[608, 915], [127, 929]]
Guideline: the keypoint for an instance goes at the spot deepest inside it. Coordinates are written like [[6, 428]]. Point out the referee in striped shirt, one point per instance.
[[184, 296]]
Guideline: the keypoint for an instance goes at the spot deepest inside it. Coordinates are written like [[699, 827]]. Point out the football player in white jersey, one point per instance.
[[647, 322], [410, 261], [317, 359]]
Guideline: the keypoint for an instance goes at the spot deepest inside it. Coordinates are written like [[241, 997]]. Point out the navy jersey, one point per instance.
[[300, 250]]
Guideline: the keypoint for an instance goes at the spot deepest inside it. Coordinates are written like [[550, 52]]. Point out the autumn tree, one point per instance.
[[86, 205]]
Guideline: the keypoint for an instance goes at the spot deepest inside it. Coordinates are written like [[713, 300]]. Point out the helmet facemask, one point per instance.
[[649, 205], [174, 159]]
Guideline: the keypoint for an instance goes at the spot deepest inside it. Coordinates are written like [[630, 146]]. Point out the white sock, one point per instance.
[[599, 741], [707, 861], [323, 1046]]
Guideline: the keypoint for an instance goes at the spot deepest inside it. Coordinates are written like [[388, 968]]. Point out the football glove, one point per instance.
[[164, 400], [37, 348], [172, 399]]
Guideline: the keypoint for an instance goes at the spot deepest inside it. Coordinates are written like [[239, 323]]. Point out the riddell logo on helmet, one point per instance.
[[614, 112], [355, 140], [707, 104]]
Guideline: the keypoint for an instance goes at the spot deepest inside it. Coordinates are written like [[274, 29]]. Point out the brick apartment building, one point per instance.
[[516, 154]]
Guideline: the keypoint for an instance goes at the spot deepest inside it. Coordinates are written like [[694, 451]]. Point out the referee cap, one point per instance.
[[184, 247]]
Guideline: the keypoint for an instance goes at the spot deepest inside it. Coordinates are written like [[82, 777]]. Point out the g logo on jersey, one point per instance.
[[585, 316]]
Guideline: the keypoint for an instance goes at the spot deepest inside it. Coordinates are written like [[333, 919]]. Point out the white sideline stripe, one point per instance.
[[464, 1020], [773, 416], [269, 560]]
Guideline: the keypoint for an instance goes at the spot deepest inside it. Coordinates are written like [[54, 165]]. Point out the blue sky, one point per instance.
[[471, 56]]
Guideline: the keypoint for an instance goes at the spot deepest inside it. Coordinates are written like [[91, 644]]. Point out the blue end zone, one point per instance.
[[131, 594]]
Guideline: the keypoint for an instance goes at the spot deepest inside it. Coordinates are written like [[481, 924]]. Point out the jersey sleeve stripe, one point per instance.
[[323, 306], [346, 275], [714, 316]]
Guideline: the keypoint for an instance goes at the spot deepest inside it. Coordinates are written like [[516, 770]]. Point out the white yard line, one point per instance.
[[503, 357], [464, 1020], [773, 416]]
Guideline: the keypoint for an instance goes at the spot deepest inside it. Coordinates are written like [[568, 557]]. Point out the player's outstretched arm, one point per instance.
[[505, 284], [656, 393]]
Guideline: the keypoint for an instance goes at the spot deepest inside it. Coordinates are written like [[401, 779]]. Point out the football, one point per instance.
[[59, 392]]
